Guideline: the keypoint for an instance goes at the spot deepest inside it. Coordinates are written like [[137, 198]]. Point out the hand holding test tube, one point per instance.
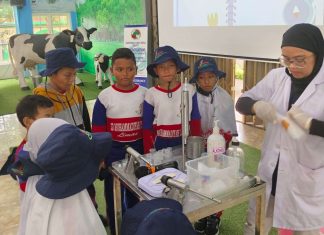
[[295, 131]]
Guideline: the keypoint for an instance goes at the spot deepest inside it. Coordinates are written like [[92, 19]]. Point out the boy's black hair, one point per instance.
[[123, 53], [28, 106]]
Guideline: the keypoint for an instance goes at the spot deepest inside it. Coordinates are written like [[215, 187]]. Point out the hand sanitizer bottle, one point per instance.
[[216, 145]]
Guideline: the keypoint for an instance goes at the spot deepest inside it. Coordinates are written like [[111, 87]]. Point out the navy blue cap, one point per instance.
[[24, 166], [163, 54], [70, 158], [59, 58], [156, 217], [206, 64]]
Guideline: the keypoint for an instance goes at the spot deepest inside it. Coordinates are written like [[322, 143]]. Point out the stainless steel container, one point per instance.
[[195, 146]]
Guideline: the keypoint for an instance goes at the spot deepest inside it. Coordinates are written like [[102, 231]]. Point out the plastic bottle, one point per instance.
[[216, 145], [291, 127], [237, 152]]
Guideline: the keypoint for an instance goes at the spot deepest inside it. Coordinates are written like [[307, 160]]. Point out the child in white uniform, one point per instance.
[[161, 112], [213, 101], [214, 104], [70, 158]]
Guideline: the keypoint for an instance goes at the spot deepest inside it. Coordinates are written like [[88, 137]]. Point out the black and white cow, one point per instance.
[[101, 62], [27, 50]]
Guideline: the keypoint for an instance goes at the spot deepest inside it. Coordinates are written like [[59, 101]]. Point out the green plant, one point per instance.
[[239, 70]]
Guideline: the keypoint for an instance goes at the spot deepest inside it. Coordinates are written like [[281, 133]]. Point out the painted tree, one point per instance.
[[112, 15]]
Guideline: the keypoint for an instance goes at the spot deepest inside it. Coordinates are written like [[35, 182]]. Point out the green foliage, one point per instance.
[[109, 16], [112, 15], [239, 69], [239, 73], [6, 13]]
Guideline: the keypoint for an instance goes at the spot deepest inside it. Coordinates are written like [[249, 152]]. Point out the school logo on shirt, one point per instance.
[[125, 129], [168, 133], [132, 126]]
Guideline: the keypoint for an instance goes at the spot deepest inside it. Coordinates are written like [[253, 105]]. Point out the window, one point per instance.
[[7, 28], [50, 23]]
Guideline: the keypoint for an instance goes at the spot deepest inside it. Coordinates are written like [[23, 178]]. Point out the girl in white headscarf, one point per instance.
[[49, 211], [36, 138]]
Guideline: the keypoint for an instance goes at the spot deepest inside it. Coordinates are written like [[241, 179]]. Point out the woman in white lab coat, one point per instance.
[[293, 168]]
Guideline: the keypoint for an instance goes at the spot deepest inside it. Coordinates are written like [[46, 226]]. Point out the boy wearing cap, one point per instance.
[[118, 110], [70, 159], [68, 99], [213, 101], [214, 104], [161, 111], [69, 102], [158, 216]]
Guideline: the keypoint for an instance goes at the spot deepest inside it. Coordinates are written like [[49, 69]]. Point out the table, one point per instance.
[[194, 207]]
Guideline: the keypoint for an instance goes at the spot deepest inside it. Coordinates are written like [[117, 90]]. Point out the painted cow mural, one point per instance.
[[101, 63], [28, 50]]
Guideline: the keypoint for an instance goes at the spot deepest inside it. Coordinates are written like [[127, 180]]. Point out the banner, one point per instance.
[[135, 38]]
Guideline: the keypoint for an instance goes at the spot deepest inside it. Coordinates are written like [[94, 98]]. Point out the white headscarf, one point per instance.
[[39, 132], [74, 215], [36, 136]]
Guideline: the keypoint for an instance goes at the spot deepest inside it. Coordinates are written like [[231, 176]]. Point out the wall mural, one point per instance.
[[52, 6], [109, 17]]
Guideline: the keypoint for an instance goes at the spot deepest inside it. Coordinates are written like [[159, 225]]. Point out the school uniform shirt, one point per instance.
[[219, 105], [69, 106], [299, 199], [120, 113], [162, 117]]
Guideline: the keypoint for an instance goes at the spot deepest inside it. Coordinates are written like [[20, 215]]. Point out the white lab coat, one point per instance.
[[221, 109], [299, 200]]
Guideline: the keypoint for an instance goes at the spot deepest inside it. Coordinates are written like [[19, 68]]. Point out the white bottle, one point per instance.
[[237, 152], [295, 131], [216, 145]]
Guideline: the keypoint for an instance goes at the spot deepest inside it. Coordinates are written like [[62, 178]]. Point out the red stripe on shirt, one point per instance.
[[125, 129], [169, 131], [98, 128]]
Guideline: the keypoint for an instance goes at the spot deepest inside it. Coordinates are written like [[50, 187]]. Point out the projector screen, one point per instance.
[[249, 29]]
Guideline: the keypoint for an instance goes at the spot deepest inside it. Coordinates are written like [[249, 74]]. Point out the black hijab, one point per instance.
[[310, 38]]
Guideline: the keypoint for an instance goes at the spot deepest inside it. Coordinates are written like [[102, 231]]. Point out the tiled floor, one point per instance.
[[11, 133]]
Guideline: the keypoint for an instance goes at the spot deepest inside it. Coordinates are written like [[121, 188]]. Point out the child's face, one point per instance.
[[207, 81], [124, 71], [63, 79], [166, 71], [42, 112]]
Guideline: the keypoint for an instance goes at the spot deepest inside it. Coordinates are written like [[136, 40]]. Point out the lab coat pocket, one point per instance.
[[309, 182], [267, 166]]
